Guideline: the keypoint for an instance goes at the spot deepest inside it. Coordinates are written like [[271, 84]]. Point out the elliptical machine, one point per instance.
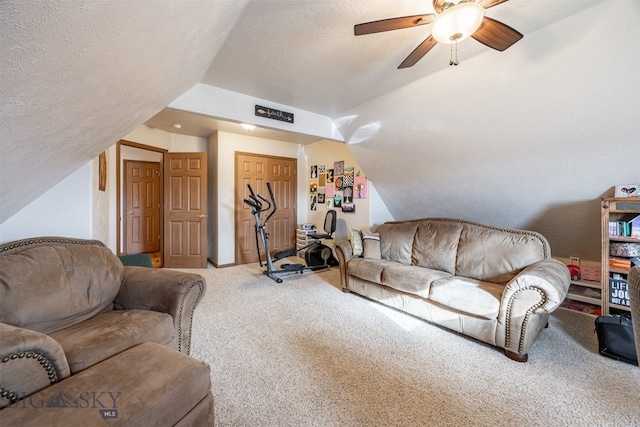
[[318, 256]]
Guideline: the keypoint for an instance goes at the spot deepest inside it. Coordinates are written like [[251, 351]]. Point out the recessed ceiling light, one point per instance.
[[177, 125], [247, 126]]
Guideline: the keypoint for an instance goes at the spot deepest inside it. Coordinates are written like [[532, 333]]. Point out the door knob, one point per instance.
[[202, 216]]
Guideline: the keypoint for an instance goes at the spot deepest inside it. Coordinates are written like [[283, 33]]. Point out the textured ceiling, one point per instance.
[[76, 76], [304, 54]]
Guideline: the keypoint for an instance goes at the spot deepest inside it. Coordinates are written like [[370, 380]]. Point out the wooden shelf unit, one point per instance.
[[586, 291], [615, 209], [584, 296]]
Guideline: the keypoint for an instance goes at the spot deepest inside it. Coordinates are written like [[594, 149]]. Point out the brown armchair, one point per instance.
[[68, 304]]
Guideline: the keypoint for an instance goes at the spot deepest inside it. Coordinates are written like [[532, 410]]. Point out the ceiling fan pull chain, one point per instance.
[[451, 54], [455, 61], [452, 60]]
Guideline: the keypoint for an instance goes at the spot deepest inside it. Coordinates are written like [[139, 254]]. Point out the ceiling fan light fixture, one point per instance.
[[457, 22]]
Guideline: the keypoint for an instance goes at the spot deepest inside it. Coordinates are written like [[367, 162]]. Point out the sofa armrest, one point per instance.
[[527, 301], [29, 361], [550, 276], [174, 292], [344, 253]]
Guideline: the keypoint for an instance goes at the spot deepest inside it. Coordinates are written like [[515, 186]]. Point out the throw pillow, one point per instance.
[[371, 245], [356, 241]]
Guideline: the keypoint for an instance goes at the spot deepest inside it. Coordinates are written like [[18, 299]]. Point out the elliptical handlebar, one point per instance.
[[272, 204], [256, 204]]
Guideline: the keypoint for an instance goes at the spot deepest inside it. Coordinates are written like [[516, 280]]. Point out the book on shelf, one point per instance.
[[635, 227], [620, 263], [629, 228]]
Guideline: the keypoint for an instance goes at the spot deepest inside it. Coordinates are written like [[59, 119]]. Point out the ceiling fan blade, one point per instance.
[[392, 24], [419, 52], [490, 3], [496, 35]]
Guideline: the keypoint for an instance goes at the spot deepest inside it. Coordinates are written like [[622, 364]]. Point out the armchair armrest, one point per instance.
[[167, 291], [344, 253], [29, 361], [527, 301]]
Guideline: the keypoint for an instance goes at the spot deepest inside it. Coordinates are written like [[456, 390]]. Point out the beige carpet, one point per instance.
[[303, 353]]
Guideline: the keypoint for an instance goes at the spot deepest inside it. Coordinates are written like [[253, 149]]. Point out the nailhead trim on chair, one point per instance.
[[190, 322], [527, 315], [29, 242], [12, 396]]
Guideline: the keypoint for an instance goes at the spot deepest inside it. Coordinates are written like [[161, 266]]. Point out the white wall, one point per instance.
[[224, 104], [167, 140], [369, 212], [66, 210], [102, 218]]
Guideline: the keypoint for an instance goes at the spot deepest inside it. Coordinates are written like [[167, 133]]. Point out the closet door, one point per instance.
[[256, 170]]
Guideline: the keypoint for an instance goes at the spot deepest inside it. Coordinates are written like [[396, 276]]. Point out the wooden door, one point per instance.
[[185, 233], [256, 170], [142, 206]]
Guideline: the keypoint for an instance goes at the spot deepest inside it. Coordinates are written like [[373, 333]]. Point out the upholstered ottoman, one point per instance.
[[147, 385]]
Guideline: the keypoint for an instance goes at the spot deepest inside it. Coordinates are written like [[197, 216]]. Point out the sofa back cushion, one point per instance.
[[396, 240], [48, 284], [497, 255], [463, 248], [436, 245]]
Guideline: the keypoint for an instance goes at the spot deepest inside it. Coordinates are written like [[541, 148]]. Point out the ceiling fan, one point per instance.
[[454, 21]]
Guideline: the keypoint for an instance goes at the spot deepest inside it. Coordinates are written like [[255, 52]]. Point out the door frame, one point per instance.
[[120, 192]]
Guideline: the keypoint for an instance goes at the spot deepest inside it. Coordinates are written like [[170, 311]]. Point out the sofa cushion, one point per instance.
[[48, 288], [396, 240], [475, 297], [436, 245], [368, 269], [411, 279], [497, 255], [102, 336]]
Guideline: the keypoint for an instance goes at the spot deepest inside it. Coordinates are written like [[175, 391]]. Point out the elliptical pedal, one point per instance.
[[293, 267]]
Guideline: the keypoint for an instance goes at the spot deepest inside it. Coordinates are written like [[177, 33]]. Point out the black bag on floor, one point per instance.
[[615, 338]]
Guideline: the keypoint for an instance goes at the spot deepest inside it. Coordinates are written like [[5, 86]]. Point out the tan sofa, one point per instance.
[[68, 305], [494, 284]]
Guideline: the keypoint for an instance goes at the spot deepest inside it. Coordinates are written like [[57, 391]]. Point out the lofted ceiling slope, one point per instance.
[[76, 76]]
